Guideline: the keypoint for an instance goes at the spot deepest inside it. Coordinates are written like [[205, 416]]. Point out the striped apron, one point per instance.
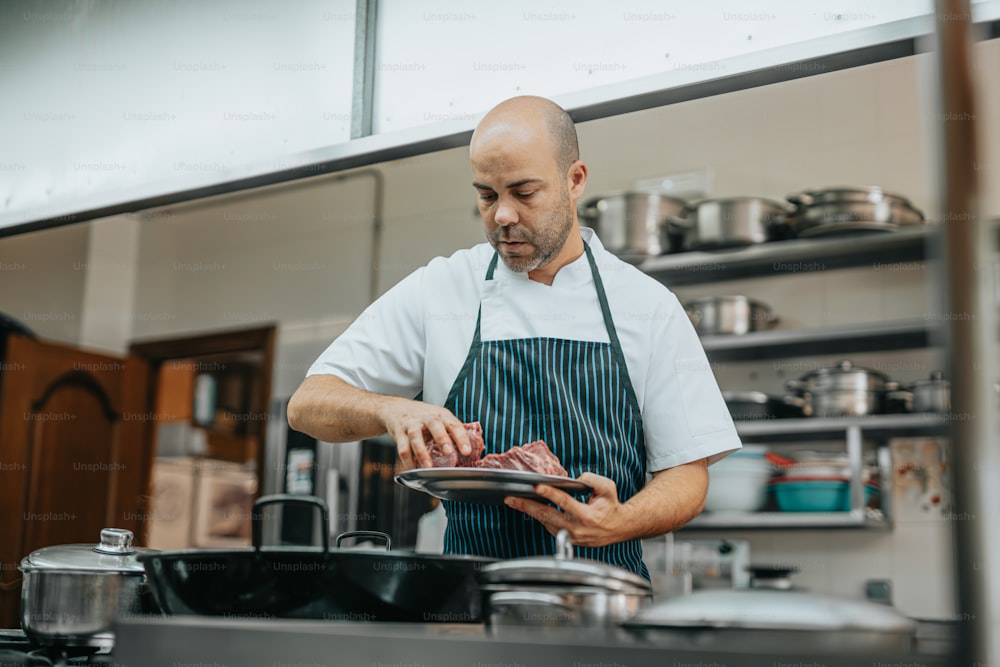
[[574, 395]]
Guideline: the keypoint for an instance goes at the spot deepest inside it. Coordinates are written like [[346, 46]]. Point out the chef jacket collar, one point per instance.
[[574, 274]]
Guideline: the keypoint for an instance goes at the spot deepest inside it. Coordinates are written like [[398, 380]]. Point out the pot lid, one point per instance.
[[640, 194], [935, 380], [115, 554], [726, 298], [738, 200], [563, 568], [745, 397], [774, 610], [844, 367]]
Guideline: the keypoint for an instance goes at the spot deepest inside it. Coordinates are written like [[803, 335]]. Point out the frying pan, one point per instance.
[[316, 582]]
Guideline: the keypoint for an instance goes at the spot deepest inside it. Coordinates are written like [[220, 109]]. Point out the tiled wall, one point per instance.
[[299, 255]]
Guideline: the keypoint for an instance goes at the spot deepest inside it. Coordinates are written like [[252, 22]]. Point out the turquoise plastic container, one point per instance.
[[816, 496]]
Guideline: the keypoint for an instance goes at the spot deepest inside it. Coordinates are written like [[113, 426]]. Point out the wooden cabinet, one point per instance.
[[73, 453]]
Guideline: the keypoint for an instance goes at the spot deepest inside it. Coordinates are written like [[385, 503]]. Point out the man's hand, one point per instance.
[[672, 498], [408, 422], [591, 524], [329, 409]]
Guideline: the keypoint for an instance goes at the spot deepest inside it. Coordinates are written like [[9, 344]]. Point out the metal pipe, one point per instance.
[[970, 314]]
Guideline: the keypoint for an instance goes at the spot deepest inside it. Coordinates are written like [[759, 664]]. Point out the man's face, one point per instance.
[[523, 198]]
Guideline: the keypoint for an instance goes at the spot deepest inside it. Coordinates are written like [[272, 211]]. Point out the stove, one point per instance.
[[17, 650]]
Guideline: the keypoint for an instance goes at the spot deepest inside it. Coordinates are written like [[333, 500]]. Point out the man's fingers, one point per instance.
[[460, 436], [416, 438], [403, 449], [440, 435]]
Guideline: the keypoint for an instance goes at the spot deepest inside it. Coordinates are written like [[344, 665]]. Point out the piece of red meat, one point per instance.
[[543, 460], [441, 460], [532, 457]]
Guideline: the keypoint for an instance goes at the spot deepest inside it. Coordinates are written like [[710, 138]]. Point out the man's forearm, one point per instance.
[[329, 409], [671, 499]]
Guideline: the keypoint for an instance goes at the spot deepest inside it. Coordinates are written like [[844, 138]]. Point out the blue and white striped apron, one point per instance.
[[574, 395]]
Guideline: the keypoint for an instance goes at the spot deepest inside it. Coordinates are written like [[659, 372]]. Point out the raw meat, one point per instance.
[[532, 457], [456, 459]]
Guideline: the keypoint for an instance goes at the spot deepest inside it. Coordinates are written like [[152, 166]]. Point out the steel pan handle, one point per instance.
[[378, 535], [256, 517]]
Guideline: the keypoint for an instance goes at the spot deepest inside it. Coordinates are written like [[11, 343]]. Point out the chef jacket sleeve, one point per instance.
[[685, 417], [383, 350]]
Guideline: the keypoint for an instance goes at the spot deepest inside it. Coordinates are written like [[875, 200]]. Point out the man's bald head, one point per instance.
[[530, 113]]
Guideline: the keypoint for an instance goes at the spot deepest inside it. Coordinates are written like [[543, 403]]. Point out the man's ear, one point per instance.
[[576, 179]]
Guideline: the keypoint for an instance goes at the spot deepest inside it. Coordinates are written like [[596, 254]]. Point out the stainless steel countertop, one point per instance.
[[216, 642]]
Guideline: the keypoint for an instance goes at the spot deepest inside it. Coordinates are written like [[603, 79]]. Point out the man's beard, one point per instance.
[[548, 239]]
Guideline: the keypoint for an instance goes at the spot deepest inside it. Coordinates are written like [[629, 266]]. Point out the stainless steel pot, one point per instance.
[[775, 621], [729, 315], [72, 594], [561, 591], [931, 395], [731, 222], [843, 390], [633, 225], [843, 209]]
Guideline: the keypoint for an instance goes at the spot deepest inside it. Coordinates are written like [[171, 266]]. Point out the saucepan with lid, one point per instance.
[[560, 591], [72, 594], [842, 390]]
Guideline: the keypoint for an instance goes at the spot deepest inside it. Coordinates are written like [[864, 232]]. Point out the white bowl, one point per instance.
[[736, 489]]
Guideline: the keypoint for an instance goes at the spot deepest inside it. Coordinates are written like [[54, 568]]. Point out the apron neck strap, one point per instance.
[[602, 297]]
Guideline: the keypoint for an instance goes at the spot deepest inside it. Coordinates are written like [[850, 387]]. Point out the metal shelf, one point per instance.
[[789, 257], [869, 519], [846, 339], [872, 426]]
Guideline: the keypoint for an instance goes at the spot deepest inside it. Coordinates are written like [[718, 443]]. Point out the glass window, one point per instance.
[[107, 98], [444, 60]]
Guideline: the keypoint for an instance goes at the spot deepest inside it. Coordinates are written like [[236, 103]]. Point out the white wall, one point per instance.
[[299, 255]]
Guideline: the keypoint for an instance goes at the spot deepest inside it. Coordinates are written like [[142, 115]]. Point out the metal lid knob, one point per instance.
[[117, 541]]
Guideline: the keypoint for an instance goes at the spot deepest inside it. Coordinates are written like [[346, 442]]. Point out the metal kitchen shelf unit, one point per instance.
[[832, 428], [769, 520], [790, 257], [847, 339]]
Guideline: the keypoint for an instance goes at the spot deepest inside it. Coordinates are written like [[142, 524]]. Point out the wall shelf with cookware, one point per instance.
[[794, 256], [846, 413], [845, 339]]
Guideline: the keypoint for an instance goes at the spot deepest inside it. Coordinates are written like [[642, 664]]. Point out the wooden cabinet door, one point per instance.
[[74, 452]]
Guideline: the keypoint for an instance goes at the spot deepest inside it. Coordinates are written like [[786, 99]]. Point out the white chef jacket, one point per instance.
[[416, 337]]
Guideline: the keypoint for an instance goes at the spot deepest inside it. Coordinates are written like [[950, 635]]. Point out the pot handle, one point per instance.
[[256, 517], [801, 198], [378, 535], [797, 387], [677, 225]]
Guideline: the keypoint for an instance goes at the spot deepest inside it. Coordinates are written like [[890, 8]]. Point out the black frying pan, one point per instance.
[[316, 582]]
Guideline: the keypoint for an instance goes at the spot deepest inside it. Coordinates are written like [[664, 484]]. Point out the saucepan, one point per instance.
[[633, 225], [728, 315], [731, 222], [72, 594], [317, 582], [560, 591]]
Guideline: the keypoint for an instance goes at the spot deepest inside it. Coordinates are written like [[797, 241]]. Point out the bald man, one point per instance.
[[541, 334]]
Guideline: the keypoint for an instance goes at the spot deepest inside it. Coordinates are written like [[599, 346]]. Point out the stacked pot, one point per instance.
[[851, 210]]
